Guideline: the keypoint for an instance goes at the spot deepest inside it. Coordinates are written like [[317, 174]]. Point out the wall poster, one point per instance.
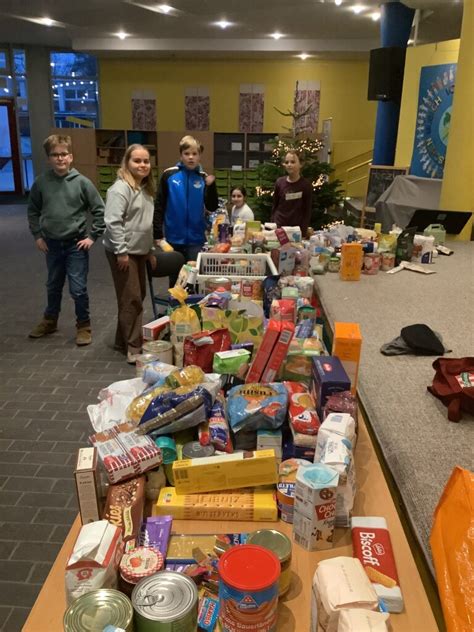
[[433, 118], [306, 104], [251, 105], [144, 111], [197, 105]]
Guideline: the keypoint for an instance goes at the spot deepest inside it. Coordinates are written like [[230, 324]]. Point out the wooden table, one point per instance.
[[373, 499]]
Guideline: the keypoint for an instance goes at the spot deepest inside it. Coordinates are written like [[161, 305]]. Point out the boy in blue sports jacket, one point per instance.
[[184, 193]]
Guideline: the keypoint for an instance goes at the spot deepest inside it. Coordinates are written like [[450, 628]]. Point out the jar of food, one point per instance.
[[280, 544], [334, 264], [371, 263]]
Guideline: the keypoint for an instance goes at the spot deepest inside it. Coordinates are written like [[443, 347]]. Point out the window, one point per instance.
[[14, 85], [74, 88]]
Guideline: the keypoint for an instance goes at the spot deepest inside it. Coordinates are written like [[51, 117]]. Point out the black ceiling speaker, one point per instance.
[[386, 70]]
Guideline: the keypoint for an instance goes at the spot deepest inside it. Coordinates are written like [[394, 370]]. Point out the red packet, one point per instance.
[[371, 544]]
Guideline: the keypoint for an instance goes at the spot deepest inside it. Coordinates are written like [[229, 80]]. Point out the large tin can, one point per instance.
[[248, 589], [371, 263], [107, 606], [280, 544], [165, 602]]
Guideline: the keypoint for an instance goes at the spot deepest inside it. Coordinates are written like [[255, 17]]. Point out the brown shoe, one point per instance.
[[45, 327], [83, 335]]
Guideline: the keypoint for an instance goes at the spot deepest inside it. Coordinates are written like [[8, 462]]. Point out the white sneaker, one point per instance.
[[132, 357]]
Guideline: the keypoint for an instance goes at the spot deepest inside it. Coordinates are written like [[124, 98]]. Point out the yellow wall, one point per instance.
[[343, 92], [418, 56]]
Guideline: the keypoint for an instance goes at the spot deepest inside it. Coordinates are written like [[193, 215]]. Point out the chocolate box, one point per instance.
[[327, 377]]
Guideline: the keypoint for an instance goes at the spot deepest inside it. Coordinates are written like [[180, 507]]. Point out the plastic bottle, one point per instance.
[[351, 262]]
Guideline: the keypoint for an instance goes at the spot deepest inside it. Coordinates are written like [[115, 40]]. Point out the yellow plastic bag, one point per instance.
[[183, 322], [452, 545]]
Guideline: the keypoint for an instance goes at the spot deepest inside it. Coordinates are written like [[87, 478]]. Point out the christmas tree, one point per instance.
[[326, 194]]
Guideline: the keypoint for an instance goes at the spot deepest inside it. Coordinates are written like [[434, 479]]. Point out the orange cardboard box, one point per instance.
[[346, 346], [279, 351]]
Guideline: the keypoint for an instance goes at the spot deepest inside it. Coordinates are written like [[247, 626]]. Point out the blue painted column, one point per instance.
[[395, 25]]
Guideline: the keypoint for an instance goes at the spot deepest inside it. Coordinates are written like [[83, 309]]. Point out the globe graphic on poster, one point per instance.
[[444, 124]]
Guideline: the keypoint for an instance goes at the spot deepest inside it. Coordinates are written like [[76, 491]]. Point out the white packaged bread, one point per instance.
[[360, 620], [339, 583]]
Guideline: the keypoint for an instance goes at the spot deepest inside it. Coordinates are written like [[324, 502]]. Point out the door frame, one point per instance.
[[11, 112]]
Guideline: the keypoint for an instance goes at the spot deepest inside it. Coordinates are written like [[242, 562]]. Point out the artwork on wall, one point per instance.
[[433, 118], [196, 109], [307, 99], [144, 111], [251, 104]]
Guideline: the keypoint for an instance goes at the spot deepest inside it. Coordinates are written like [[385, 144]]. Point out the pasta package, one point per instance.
[[256, 406]]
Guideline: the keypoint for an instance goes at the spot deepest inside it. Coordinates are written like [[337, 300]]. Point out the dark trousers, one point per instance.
[[64, 259], [130, 288]]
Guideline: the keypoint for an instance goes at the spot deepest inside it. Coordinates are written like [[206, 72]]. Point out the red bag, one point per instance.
[[453, 384], [199, 349]]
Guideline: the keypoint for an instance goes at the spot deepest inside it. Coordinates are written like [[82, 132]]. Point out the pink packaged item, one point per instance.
[[124, 453]]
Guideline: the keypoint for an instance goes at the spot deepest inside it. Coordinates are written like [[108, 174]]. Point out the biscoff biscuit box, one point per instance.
[[347, 344], [327, 377], [372, 546]]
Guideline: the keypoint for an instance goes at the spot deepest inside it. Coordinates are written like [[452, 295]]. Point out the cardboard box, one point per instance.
[[284, 259], [346, 346], [279, 352], [124, 453], [264, 352], [315, 506], [87, 485], [240, 504], [152, 331], [229, 471], [327, 376]]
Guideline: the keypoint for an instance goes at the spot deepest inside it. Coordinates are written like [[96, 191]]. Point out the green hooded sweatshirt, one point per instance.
[[58, 207]]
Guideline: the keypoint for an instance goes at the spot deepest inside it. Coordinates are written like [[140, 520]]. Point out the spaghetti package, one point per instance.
[[257, 406], [183, 322], [215, 431]]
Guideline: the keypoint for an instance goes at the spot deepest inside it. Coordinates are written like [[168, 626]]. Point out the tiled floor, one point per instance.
[[45, 387]]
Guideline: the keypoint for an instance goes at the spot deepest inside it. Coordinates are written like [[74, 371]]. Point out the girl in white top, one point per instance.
[[240, 210]]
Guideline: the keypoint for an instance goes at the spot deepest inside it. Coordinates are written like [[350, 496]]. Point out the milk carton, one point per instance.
[[315, 506]]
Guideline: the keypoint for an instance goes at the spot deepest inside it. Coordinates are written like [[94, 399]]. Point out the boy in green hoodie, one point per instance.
[[58, 205]]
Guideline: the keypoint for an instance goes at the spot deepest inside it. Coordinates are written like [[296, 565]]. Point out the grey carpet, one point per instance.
[[420, 445]]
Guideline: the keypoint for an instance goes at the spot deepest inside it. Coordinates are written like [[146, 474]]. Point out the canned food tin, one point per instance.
[[286, 486], [162, 349], [106, 605], [248, 589], [194, 450], [218, 283], [165, 602], [371, 263], [388, 261], [142, 360], [280, 544]]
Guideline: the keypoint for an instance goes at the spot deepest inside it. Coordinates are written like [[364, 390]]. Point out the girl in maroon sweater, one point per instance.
[[292, 196]]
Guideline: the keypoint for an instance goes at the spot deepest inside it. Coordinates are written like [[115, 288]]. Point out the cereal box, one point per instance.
[[346, 346]]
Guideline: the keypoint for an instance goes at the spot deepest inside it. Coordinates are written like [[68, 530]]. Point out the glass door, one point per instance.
[[10, 172]]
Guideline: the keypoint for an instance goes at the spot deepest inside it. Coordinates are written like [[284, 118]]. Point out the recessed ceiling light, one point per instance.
[[338, 2], [121, 35], [164, 8], [357, 8], [276, 35], [375, 16], [46, 21], [303, 56], [223, 24]]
